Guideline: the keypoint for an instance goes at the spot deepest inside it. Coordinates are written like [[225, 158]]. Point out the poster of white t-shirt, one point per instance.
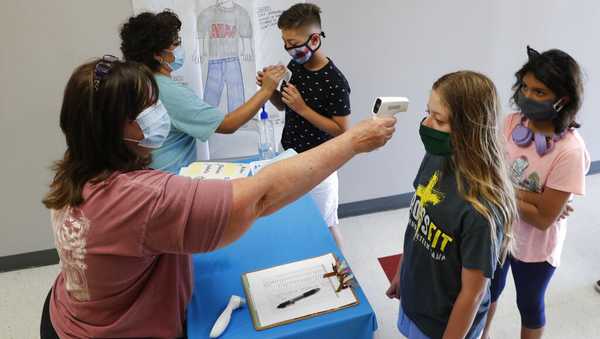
[[226, 42]]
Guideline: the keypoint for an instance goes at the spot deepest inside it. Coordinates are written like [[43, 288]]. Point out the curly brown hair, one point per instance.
[[147, 34]]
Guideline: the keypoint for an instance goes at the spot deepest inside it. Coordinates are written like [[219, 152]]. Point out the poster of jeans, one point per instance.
[[226, 51], [226, 42]]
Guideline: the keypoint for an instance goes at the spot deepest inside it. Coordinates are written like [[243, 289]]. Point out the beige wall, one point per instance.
[[42, 42]]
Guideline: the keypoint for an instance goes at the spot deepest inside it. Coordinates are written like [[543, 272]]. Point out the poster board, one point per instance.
[[226, 42]]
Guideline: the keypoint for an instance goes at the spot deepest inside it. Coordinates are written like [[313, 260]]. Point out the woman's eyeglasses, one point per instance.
[[103, 68]]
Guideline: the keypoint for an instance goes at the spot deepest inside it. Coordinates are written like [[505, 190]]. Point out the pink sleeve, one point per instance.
[[189, 216], [569, 170], [509, 124]]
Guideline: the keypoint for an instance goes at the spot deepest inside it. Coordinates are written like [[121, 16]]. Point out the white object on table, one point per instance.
[[215, 170], [260, 164], [222, 322]]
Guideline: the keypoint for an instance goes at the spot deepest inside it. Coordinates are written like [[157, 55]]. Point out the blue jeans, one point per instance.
[[223, 72]]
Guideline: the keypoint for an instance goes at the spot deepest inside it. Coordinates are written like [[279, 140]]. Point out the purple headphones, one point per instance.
[[523, 136]]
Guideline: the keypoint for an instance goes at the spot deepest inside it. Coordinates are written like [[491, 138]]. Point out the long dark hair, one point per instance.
[[561, 74], [93, 117], [147, 34]]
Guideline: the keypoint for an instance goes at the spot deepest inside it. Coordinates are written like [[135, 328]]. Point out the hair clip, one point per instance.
[[103, 68]]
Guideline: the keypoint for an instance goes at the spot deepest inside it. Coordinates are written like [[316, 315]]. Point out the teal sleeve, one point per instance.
[[189, 114]]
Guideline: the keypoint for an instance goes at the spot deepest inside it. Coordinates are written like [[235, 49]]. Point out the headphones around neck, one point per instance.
[[523, 136]]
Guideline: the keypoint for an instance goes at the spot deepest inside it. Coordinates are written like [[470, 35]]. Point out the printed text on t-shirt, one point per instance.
[[427, 233]]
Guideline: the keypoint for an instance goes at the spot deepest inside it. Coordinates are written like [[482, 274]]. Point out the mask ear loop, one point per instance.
[[307, 44]]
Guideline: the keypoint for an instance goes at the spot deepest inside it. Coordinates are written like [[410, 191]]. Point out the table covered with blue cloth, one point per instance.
[[294, 233]]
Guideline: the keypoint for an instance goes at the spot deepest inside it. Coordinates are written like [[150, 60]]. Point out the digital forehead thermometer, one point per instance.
[[222, 322], [388, 106]]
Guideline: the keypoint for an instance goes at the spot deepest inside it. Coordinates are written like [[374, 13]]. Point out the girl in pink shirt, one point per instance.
[[548, 162]]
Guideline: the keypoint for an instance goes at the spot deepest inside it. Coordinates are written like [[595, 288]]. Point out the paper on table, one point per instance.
[[215, 170], [260, 164], [270, 287]]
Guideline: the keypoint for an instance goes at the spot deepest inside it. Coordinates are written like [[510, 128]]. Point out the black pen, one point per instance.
[[293, 300]]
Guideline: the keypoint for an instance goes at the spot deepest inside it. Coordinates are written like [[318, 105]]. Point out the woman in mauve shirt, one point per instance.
[[125, 233]]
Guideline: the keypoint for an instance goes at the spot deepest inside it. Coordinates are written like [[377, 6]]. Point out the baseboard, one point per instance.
[[351, 209], [28, 260], [394, 202]]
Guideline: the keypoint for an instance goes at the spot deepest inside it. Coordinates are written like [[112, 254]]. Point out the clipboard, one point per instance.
[[266, 288]]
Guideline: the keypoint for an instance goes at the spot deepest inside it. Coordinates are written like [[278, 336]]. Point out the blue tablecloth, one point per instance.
[[296, 232]]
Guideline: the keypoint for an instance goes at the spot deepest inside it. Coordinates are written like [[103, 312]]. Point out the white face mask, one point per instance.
[[155, 124]]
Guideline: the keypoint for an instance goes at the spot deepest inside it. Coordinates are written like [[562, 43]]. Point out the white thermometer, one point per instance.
[[222, 322]]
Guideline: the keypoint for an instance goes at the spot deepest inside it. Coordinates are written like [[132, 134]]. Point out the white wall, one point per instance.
[[400, 48], [385, 47], [42, 42]]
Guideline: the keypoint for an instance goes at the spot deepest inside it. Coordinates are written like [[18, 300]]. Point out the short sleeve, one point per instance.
[[188, 113], [340, 105], [189, 216], [568, 171], [244, 23], [476, 244]]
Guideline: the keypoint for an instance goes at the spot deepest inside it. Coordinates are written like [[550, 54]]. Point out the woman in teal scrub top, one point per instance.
[[153, 39]]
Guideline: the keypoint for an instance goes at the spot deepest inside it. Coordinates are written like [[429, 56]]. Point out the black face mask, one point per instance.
[[538, 110]]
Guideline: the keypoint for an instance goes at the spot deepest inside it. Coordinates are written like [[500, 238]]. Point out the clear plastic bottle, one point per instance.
[[266, 137]]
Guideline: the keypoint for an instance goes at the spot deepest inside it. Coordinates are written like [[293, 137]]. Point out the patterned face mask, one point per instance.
[[303, 53]]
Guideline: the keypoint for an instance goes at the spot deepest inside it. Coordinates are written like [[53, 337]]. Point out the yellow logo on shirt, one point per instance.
[[428, 194], [431, 236]]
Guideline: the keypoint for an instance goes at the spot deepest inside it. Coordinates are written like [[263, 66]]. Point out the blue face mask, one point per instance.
[[155, 124], [179, 54]]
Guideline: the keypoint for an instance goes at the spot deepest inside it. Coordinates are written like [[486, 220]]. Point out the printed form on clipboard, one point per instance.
[[268, 288]]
